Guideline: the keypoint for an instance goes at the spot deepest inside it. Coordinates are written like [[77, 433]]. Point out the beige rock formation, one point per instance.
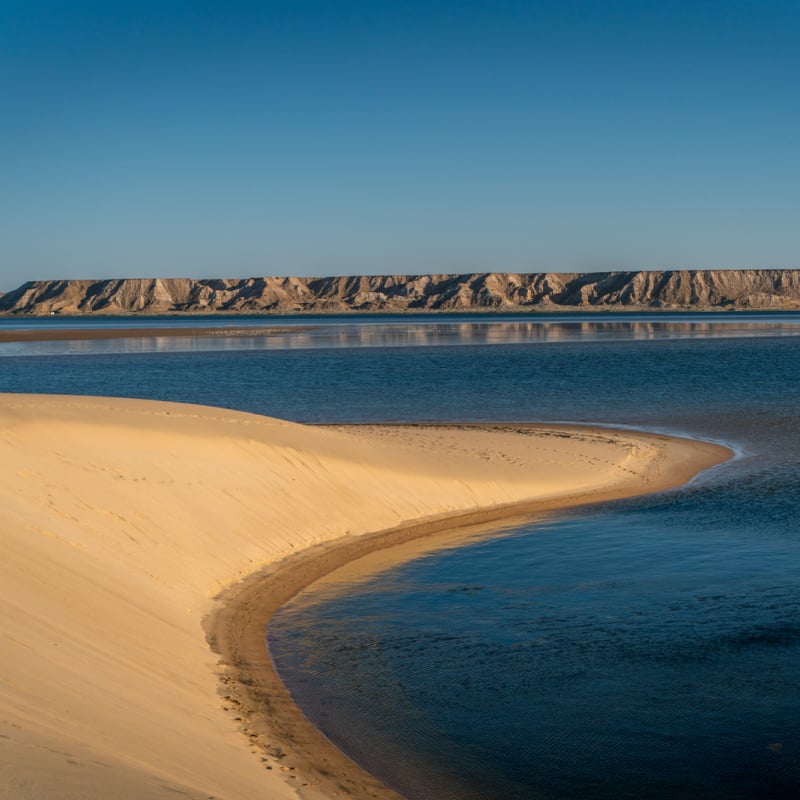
[[673, 289]]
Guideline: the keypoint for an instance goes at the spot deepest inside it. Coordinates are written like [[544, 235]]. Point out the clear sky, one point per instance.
[[319, 138]]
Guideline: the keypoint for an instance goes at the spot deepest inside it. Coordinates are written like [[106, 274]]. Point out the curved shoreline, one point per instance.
[[122, 520], [236, 630]]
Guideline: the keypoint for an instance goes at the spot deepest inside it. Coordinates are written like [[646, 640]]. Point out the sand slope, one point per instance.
[[120, 521]]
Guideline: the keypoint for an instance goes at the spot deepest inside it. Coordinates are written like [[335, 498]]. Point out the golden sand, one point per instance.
[[128, 529]]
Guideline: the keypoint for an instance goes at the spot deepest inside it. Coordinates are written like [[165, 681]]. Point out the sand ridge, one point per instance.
[[123, 522]]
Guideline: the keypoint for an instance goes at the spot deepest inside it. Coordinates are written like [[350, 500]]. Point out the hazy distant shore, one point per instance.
[[95, 333]]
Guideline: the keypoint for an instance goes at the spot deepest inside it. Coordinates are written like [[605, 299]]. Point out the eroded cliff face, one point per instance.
[[678, 289]]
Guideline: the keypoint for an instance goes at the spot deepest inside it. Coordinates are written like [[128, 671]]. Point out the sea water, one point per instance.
[[645, 648]]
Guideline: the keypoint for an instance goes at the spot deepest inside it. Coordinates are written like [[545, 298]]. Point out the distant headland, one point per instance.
[[712, 289]]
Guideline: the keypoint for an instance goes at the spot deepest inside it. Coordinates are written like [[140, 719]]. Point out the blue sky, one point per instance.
[[318, 138]]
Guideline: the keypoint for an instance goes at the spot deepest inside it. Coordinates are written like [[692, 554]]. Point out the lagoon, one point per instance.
[[645, 648]]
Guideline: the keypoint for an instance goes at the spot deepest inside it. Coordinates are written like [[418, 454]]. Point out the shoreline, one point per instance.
[[14, 335], [237, 630], [99, 333], [137, 533]]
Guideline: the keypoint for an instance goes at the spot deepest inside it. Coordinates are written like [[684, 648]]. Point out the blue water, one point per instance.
[[649, 648]]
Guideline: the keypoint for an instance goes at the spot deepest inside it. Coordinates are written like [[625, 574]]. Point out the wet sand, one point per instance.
[[237, 630], [103, 332]]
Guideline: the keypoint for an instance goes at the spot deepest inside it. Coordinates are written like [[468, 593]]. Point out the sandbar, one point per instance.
[[55, 334], [145, 545]]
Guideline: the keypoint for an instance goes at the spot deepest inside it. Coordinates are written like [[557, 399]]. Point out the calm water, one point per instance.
[[649, 648], [381, 331]]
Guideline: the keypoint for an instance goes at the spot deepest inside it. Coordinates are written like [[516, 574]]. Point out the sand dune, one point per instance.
[[122, 520]]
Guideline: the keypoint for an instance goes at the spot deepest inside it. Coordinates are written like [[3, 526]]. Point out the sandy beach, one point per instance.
[[146, 544]]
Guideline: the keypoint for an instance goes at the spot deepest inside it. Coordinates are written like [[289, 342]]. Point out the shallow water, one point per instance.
[[382, 331], [626, 651], [646, 648]]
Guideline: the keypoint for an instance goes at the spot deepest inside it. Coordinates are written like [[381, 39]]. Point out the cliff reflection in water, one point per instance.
[[322, 333]]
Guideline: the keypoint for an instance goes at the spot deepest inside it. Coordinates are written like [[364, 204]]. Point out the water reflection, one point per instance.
[[410, 334]]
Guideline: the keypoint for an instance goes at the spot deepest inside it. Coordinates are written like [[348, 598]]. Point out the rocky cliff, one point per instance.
[[673, 289]]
